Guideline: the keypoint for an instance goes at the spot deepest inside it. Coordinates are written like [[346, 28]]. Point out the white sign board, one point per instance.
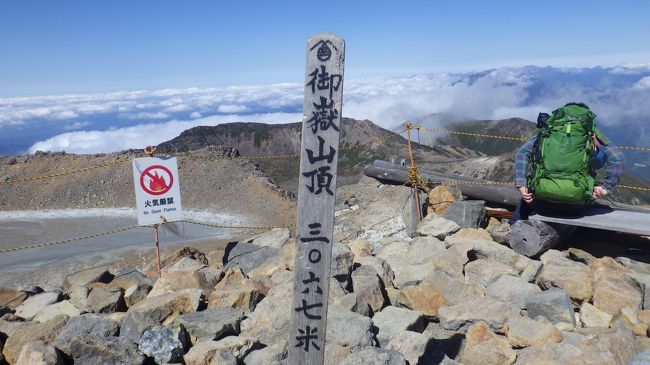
[[157, 190]]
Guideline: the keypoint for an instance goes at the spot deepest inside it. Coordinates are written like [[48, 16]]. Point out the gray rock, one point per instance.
[[159, 310], [85, 325], [34, 331], [482, 272], [466, 213], [185, 264], [212, 275], [270, 355], [36, 303], [531, 271], [164, 344], [553, 304], [342, 261], [512, 289], [128, 277], [375, 356], [438, 227], [209, 352], [270, 321], [368, 286], [39, 353], [79, 297], [275, 238], [640, 267], [93, 350], [489, 250], [392, 321], [642, 358], [381, 266], [461, 316], [349, 329], [524, 331], [417, 348], [574, 277], [86, 277], [354, 303], [454, 289], [102, 300], [248, 256], [212, 324], [51, 311], [136, 294]]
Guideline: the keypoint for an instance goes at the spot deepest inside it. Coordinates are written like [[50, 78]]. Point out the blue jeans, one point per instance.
[[523, 209]]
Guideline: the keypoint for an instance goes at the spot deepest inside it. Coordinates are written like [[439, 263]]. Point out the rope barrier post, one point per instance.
[[415, 212], [157, 241]]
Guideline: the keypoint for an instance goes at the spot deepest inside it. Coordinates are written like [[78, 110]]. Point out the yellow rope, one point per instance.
[[234, 227], [39, 245]]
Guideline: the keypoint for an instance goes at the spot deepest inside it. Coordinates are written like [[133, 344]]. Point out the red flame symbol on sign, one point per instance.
[[157, 183]]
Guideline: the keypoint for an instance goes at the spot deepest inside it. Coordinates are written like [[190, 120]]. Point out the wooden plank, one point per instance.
[[414, 214], [504, 195], [316, 197], [602, 217]]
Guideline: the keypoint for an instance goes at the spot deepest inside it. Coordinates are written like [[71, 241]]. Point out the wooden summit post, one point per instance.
[[321, 128]]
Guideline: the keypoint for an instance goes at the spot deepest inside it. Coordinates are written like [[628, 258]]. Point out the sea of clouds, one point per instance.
[[99, 123]]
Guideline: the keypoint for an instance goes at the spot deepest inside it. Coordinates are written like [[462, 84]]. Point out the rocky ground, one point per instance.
[[451, 295]]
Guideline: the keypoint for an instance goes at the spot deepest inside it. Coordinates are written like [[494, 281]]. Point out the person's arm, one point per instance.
[[522, 159], [613, 170]]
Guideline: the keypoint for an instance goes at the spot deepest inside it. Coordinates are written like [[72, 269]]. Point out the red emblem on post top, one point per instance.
[[159, 181]]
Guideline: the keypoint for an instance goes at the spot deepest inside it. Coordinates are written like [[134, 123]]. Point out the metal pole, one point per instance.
[[155, 237]]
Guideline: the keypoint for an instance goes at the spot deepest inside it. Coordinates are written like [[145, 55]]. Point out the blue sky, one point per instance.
[[60, 47]]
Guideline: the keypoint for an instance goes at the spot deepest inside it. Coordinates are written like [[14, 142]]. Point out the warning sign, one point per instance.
[[157, 190]]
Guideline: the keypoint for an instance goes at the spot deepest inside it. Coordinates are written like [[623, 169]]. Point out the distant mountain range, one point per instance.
[[468, 155]]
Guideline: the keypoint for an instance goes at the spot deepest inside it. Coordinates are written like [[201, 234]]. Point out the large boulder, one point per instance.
[[90, 350], [270, 321], [348, 329], [483, 347], [423, 298], [36, 303], [392, 320], [101, 300], [368, 286], [164, 344], [39, 353], [554, 305], [436, 226], [375, 356], [171, 281], [51, 311], [523, 331], [466, 213], [159, 310], [85, 325], [612, 294], [212, 324], [562, 272], [483, 272], [512, 289], [461, 316], [86, 277], [455, 290], [46, 332], [416, 348], [235, 290]]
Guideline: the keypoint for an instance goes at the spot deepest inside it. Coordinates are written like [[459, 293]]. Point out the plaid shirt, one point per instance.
[[613, 172]]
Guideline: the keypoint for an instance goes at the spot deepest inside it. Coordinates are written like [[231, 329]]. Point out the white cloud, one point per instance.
[[232, 109], [76, 125], [195, 115], [145, 115], [642, 84], [118, 139]]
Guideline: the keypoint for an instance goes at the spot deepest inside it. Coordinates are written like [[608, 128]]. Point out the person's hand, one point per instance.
[[525, 195], [599, 192]]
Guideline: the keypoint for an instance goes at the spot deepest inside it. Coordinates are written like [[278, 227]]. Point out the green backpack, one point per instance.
[[561, 171]]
